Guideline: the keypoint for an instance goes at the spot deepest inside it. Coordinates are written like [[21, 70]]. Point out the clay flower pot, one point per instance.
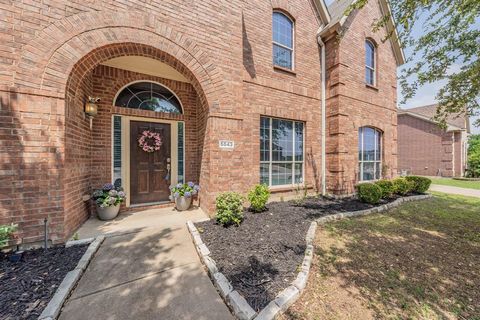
[[183, 203], [108, 213]]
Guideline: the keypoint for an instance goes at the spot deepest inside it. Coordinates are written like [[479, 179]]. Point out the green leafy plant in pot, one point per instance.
[[108, 200], [182, 194]]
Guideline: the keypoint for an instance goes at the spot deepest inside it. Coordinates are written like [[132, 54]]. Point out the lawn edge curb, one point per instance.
[[382, 208], [235, 301], [52, 310]]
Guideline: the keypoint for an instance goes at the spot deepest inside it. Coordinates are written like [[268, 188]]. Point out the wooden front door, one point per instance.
[[149, 177]]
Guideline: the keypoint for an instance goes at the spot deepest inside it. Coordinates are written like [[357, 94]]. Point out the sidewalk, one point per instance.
[[455, 190], [149, 272]]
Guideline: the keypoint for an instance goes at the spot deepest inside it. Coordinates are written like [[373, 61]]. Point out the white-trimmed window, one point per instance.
[[370, 63], [281, 152], [283, 28], [369, 154]]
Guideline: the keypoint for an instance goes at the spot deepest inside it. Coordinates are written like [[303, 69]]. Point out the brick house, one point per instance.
[[238, 91], [424, 148]]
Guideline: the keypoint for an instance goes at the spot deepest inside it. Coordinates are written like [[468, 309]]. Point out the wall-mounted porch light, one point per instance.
[[91, 108]]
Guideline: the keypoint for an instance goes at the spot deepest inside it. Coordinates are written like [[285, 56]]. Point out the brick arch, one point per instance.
[[102, 54], [58, 48], [284, 6]]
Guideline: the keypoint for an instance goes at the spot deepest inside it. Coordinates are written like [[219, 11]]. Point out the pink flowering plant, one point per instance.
[[187, 190], [108, 196], [150, 141]]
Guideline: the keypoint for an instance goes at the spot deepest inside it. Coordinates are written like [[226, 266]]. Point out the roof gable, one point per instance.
[[427, 113], [338, 18]]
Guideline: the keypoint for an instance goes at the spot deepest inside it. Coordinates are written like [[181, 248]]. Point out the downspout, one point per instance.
[[323, 99]]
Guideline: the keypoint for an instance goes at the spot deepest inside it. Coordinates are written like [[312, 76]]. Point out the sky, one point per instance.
[[426, 94]]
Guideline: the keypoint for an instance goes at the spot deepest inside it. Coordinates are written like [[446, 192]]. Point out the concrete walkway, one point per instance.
[[149, 271], [455, 190]]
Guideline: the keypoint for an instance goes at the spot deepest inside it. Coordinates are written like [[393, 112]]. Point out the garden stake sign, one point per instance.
[[150, 141]]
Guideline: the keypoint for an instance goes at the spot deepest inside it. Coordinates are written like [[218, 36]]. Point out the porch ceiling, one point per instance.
[[146, 65]]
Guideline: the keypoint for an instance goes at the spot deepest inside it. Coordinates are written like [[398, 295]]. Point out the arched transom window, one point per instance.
[[370, 63], [369, 154], [282, 40], [147, 95]]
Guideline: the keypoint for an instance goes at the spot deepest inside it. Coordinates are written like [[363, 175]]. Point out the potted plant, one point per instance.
[[108, 200], [182, 194]]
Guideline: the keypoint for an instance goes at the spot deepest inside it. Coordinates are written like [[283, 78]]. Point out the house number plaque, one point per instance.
[[226, 144]]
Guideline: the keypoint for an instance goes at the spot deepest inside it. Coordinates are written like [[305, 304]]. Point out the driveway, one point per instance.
[[455, 190], [148, 270]]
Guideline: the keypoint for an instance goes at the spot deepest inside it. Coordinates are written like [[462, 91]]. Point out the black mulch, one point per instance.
[[28, 285], [262, 256]]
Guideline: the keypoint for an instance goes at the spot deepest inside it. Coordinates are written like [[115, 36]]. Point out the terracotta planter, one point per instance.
[[183, 203], [108, 213]]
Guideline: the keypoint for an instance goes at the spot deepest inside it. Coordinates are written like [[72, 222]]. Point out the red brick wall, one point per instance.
[[423, 147], [351, 104], [107, 82], [49, 56]]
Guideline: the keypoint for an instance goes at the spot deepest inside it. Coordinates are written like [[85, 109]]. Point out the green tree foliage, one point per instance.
[[448, 50], [474, 156]]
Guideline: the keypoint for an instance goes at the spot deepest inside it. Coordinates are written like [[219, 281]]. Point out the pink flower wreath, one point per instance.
[[150, 141]]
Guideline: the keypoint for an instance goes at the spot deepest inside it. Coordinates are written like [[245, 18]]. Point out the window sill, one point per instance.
[[287, 187], [371, 87], [284, 70]]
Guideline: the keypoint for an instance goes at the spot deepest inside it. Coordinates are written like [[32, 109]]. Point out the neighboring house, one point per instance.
[[234, 88], [424, 148]]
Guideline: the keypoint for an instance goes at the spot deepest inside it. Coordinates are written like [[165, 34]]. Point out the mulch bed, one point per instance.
[[28, 285], [261, 257]]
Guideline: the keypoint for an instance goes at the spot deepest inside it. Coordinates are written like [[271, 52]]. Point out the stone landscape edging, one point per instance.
[[237, 303], [378, 209], [239, 306], [52, 310]]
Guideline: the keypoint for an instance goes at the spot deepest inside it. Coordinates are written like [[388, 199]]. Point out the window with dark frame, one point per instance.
[[281, 152], [146, 95], [283, 28]]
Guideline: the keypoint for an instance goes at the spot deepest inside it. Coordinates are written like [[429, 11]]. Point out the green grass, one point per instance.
[[456, 183], [417, 261]]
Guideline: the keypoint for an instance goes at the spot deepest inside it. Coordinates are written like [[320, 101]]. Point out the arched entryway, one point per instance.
[[141, 89]]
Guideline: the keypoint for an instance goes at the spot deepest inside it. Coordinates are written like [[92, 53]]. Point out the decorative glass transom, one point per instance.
[[148, 96]]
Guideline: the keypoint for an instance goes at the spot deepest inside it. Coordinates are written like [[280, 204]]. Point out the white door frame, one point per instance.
[[125, 151]]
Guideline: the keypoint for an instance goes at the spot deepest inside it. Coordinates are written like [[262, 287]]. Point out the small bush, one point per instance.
[[6, 232], [258, 197], [369, 193], [403, 186], [229, 206], [420, 184], [387, 187]]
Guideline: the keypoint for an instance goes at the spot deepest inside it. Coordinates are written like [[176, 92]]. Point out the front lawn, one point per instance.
[[457, 183], [418, 261]]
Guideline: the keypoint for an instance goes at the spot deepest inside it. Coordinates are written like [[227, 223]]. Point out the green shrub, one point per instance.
[[420, 184], [5, 233], [403, 186], [387, 188], [258, 197], [229, 207], [369, 193]]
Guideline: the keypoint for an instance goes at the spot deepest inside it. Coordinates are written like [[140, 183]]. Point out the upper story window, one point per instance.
[[370, 63], [145, 95], [282, 40], [369, 154]]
